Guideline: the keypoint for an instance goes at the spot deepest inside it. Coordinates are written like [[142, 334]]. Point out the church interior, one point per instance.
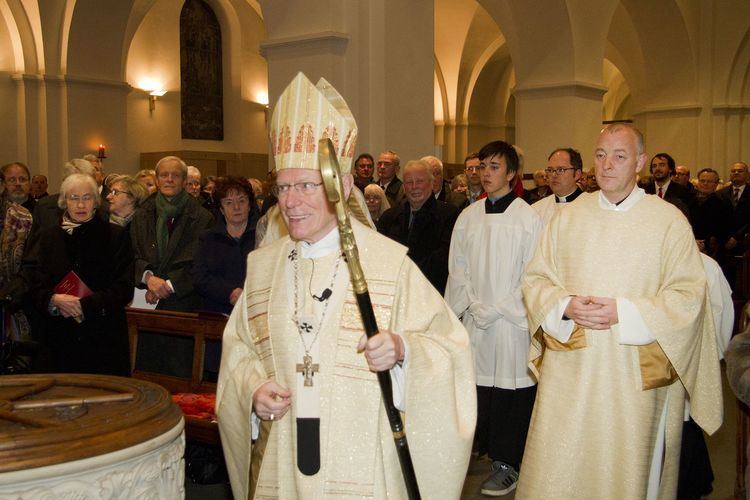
[[423, 77]]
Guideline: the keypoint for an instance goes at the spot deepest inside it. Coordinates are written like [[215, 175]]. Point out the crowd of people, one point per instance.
[[504, 261]]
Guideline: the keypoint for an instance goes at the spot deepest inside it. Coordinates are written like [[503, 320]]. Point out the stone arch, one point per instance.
[[489, 110], [467, 37], [657, 72], [12, 53], [616, 100], [738, 83], [441, 96], [24, 30]]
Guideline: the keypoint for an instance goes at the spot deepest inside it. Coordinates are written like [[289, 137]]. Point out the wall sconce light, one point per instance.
[[152, 95]]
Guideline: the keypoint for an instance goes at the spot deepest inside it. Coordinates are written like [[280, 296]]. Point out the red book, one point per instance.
[[72, 284]]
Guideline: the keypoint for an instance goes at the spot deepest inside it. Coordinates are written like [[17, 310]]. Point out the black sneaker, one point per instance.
[[502, 480]]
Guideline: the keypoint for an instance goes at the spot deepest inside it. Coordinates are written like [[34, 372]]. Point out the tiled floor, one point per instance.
[[721, 448]]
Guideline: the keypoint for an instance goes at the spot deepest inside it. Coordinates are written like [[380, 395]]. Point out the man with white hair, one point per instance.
[[541, 187], [298, 405], [441, 188], [423, 223], [193, 181], [165, 231], [388, 165]]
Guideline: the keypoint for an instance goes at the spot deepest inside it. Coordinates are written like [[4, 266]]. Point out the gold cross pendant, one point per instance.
[[308, 369]]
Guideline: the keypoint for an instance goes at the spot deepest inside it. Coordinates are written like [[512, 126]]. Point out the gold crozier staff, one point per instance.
[[329, 168]]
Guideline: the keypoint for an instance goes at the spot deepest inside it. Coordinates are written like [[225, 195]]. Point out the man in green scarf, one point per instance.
[[165, 231]]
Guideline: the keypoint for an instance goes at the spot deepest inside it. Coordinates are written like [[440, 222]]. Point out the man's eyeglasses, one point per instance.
[[306, 188], [473, 169], [558, 170]]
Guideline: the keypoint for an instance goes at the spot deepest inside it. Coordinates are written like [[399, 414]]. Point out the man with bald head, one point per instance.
[[619, 349], [736, 199], [681, 176], [423, 224], [736, 202]]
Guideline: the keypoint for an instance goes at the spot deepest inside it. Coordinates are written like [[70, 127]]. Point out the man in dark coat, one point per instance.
[[441, 188], [709, 217], [423, 224], [388, 166], [165, 233], [662, 168]]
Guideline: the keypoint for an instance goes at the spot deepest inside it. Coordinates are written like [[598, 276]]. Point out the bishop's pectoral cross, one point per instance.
[[308, 369]]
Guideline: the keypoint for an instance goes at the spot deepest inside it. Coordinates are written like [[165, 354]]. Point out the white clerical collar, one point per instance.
[[564, 199], [324, 246], [636, 195]]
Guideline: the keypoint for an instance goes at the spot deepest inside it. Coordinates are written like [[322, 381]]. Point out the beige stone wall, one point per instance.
[[421, 77]]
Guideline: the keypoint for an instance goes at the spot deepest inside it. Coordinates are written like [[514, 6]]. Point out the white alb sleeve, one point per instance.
[[630, 328], [555, 326]]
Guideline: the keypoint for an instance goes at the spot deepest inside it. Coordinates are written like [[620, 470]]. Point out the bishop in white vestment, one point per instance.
[[297, 394]]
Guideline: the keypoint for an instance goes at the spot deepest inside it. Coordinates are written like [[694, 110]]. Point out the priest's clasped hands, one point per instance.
[[596, 313]]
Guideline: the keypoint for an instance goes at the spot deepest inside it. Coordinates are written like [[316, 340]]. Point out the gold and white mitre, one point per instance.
[[304, 114]]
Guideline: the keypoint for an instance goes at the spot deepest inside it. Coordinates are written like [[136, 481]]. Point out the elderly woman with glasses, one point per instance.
[[219, 261], [125, 195], [83, 281]]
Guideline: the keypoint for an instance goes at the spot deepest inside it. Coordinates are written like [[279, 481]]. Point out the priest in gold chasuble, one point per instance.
[[298, 403], [619, 344]]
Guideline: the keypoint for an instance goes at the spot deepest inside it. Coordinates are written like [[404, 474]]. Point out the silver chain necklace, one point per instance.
[[307, 368]]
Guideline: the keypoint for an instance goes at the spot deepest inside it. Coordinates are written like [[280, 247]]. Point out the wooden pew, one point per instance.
[[201, 327]]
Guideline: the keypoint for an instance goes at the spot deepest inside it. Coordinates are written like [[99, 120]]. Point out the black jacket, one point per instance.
[[429, 239], [219, 264], [100, 253]]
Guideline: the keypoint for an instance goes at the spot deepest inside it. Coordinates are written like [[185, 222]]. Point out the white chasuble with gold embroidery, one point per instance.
[[357, 454]]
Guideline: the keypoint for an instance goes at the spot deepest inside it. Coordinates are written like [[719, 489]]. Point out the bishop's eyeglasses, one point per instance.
[[306, 188]]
